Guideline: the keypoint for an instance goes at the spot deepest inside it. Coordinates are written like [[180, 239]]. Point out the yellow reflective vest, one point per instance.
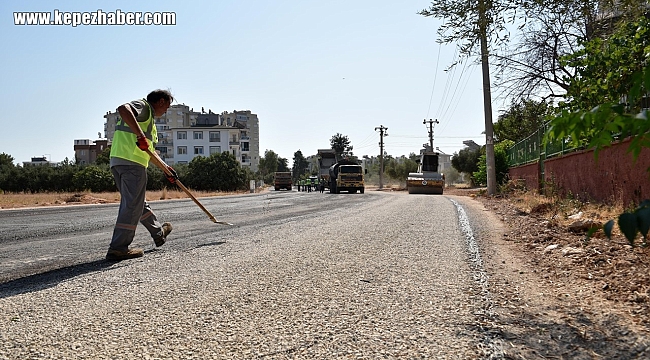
[[124, 140]]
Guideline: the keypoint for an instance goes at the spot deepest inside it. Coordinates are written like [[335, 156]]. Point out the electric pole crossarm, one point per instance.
[[431, 122]]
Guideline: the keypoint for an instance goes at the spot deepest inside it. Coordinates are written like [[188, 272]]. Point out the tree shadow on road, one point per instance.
[[48, 279]]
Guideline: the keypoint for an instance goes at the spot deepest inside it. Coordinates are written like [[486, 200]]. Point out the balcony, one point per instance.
[[233, 143]]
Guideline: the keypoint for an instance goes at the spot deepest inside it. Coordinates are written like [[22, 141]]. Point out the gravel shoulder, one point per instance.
[[583, 304]]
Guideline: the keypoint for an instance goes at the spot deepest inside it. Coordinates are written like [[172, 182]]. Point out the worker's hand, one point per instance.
[[142, 143], [173, 177]]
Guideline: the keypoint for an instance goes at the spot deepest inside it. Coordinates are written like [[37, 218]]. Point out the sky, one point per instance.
[[308, 69]]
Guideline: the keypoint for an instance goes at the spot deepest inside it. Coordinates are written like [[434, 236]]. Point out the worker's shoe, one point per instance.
[[117, 255], [166, 229]]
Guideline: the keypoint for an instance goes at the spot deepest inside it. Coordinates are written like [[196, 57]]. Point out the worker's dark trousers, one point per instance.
[[131, 181]]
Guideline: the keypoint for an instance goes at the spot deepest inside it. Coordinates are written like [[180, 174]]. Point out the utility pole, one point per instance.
[[487, 100], [382, 132], [431, 122]]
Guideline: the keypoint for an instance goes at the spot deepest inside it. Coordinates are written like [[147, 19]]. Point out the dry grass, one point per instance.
[[11, 200], [559, 210]]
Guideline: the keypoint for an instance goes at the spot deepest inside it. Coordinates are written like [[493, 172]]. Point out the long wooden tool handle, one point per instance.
[[164, 167]]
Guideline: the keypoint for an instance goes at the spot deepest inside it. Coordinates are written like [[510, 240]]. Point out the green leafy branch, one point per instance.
[[632, 223]]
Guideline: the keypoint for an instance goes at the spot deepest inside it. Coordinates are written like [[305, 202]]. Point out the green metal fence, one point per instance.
[[532, 148]]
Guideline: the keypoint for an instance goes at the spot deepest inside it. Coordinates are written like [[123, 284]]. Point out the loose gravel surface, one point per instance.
[[384, 275], [361, 276]]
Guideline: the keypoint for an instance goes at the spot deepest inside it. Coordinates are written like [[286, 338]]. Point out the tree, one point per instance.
[[268, 166], [94, 178], [548, 31], [466, 160], [610, 70], [606, 66], [219, 171], [6, 160], [341, 145], [451, 176], [283, 164], [521, 119], [461, 23], [400, 169], [104, 157], [300, 165], [500, 163]]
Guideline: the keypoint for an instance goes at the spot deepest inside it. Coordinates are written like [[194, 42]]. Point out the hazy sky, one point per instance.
[[308, 69]]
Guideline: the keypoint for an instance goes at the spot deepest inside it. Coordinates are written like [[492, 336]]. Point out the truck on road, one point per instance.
[[326, 158], [282, 180], [347, 176]]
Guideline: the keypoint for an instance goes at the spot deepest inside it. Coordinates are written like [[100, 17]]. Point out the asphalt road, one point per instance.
[[300, 275], [37, 240]]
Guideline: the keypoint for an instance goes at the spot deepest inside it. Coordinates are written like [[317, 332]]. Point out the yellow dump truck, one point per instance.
[[428, 180], [346, 176], [282, 180]]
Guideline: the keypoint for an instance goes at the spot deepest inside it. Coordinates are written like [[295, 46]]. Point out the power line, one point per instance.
[[435, 76]]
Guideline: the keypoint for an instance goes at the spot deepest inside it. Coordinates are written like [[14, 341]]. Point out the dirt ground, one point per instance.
[[560, 295]]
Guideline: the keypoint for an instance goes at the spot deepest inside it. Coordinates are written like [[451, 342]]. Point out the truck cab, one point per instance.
[[346, 176]]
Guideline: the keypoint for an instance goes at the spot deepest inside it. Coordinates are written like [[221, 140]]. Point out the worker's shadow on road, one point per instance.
[[38, 282]]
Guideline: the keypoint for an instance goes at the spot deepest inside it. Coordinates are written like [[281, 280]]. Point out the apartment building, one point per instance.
[[246, 143], [199, 140], [86, 150], [236, 132]]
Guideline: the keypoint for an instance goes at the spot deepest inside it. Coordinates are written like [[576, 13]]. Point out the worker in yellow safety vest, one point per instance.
[[135, 132]]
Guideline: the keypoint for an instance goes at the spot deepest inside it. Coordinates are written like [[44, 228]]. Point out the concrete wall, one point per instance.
[[612, 178], [530, 173]]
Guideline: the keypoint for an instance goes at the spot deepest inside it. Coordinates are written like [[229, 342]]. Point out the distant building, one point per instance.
[[471, 144], [193, 141], [86, 150], [444, 161], [41, 160]]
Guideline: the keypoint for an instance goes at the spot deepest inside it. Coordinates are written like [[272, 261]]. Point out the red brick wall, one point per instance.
[[613, 178], [529, 173]]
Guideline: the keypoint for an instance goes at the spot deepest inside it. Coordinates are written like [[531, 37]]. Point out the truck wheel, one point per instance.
[[361, 190], [277, 188]]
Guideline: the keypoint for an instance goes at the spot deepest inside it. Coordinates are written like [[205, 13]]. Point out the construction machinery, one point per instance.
[[347, 176], [326, 158], [282, 180], [427, 180]]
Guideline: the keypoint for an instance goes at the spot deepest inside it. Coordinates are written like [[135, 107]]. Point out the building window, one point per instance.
[[244, 146], [215, 136], [182, 135], [181, 150], [215, 150], [198, 150], [198, 135]]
